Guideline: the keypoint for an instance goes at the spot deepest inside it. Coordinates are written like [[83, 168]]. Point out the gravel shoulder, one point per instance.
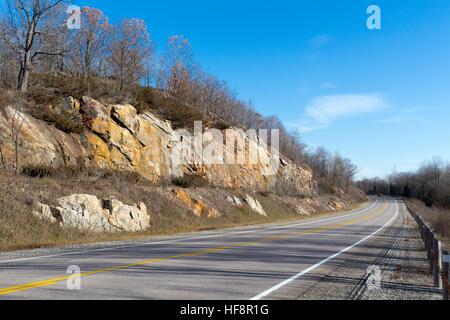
[[397, 252]]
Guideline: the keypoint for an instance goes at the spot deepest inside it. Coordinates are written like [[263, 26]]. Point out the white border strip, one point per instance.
[[298, 275]]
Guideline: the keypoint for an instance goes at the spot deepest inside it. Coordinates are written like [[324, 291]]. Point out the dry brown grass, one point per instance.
[[190, 180], [19, 229], [6, 97], [398, 272], [180, 115], [438, 218], [63, 121], [49, 90]]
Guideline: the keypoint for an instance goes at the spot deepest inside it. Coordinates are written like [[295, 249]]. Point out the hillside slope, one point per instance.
[[91, 172], [118, 138]]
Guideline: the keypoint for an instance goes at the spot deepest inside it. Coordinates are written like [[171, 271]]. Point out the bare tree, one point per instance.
[[87, 44], [17, 120], [350, 170], [29, 23], [130, 48], [177, 67], [430, 183], [2, 158]]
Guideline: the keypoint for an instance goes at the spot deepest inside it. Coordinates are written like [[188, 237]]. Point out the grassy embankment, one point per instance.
[[19, 229], [438, 218]]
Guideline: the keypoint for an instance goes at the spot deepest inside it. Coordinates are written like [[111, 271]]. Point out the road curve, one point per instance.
[[265, 263]]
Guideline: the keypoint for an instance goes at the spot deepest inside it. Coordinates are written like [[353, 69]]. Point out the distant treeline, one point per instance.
[[431, 183]]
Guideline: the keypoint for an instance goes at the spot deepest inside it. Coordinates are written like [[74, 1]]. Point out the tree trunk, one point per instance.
[[16, 156], [2, 156], [121, 79], [25, 65], [23, 79]]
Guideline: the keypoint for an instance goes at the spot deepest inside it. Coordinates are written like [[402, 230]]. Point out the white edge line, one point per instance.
[[185, 239], [298, 275]]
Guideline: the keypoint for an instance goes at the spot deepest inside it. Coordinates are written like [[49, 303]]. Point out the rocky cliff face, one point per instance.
[[119, 138]]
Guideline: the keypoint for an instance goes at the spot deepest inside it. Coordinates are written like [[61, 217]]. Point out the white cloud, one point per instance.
[[321, 112], [324, 110]]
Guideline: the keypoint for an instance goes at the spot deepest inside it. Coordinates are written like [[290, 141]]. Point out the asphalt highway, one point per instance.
[[265, 263]]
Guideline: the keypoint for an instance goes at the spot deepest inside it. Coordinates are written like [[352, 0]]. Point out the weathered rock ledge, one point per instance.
[[88, 213]]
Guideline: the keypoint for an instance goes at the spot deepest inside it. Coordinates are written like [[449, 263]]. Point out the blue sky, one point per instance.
[[379, 97]]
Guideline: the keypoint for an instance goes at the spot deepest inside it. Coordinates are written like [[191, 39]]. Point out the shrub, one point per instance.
[[144, 99], [264, 193], [437, 217], [63, 121], [44, 171], [37, 171], [442, 223], [179, 114], [221, 125], [43, 97], [325, 186], [81, 173], [190, 180], [101, 89], [284, 187]]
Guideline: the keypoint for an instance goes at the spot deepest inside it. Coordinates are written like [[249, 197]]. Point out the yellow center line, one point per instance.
[[193, 254]]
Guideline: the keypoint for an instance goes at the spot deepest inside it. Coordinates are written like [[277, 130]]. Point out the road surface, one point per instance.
[[264, 263]]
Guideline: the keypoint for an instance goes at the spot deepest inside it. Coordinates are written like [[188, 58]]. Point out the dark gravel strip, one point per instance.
[[398, 252]]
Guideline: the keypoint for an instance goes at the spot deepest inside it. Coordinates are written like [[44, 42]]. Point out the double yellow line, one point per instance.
[[193, 254]]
